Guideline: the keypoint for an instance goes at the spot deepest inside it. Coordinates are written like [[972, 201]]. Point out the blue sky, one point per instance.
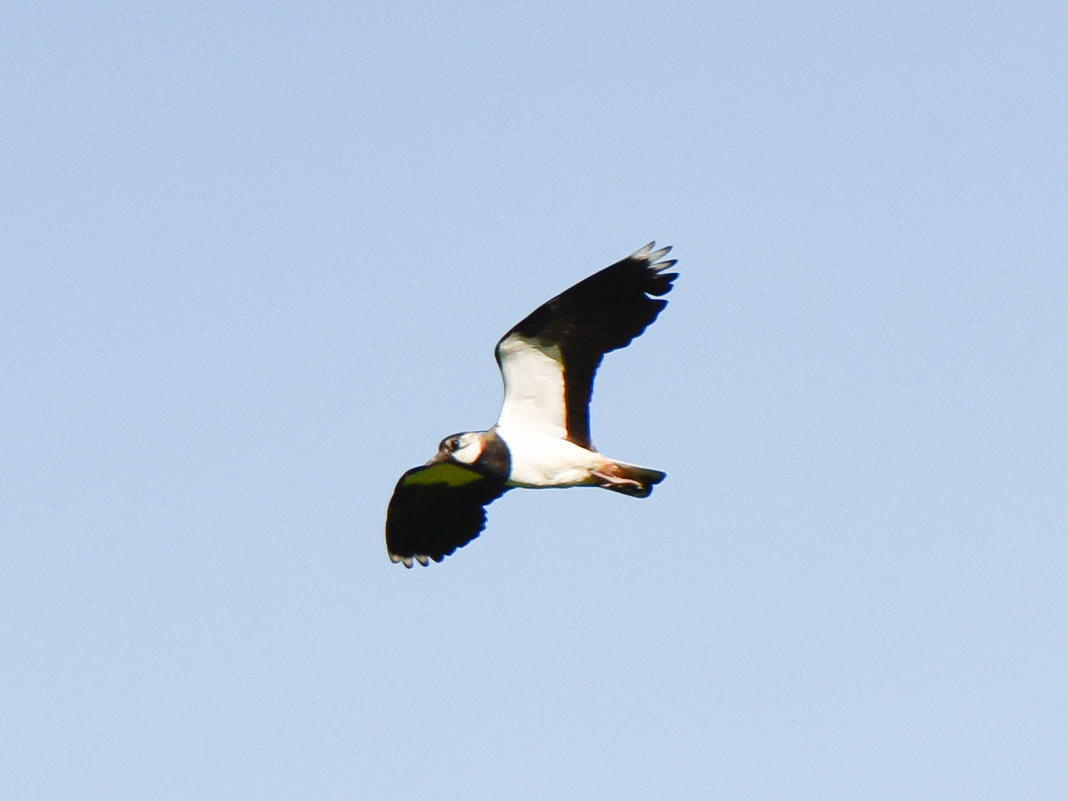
[[253, 264]]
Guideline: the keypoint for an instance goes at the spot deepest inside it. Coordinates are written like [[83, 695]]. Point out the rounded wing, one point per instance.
[[548, 360], [435, 509]]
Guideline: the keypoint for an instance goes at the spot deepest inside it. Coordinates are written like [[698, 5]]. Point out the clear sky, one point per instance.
[[254, 262]]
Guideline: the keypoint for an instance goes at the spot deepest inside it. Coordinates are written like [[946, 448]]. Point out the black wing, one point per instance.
[[575, 329], [435, 509]]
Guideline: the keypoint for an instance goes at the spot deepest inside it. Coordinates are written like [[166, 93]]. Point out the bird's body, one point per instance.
[[542, 437], [542, 460]]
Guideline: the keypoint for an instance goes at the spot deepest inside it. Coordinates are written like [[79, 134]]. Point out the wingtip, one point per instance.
[[642, 253], [409, 561], [652, 257], [405, 560]]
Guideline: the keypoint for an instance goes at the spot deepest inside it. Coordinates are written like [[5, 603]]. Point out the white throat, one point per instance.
[[469, 453]]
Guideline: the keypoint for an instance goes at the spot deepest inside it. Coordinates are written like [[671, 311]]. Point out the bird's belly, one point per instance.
[[544, 461]]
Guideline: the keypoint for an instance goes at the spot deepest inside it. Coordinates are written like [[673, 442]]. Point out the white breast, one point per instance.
[[540, 460]]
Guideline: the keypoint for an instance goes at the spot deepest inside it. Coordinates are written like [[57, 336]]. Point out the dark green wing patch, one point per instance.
[[448, 474]]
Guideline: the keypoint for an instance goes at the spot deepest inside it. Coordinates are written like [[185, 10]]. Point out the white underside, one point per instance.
[[534, 417], [540, 460], [533, 388]]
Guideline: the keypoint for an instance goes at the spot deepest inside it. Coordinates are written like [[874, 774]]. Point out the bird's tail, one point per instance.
[[628, 478]]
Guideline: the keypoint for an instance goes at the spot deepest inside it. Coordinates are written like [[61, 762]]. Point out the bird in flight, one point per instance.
[[542, 437]]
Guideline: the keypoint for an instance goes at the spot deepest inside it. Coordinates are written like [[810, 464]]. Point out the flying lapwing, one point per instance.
[[542, 437]]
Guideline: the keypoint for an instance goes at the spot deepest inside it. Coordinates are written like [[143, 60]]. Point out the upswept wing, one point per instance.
[[548, 360], [435, 509]]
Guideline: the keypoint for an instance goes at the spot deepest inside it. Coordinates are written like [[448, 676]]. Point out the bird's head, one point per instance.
[[461, 448]]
